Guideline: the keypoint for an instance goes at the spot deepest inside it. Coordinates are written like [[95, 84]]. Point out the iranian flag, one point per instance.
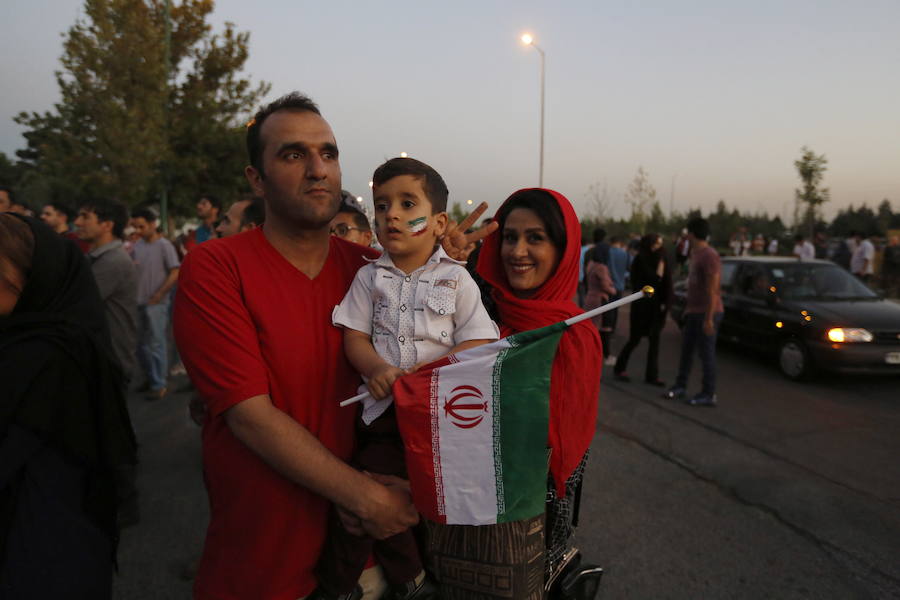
[[474, 426]]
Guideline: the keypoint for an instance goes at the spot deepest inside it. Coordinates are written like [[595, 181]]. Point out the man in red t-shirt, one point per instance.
[[702, 316], [253, 324]]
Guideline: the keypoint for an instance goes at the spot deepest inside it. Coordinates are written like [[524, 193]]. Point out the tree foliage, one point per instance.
[[123, 128], [811, 169], [641, 195]]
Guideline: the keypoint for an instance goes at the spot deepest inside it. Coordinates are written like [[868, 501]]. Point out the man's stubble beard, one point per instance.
[[302, 216]]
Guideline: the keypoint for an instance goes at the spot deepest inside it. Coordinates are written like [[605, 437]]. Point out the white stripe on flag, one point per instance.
[[465, 423]]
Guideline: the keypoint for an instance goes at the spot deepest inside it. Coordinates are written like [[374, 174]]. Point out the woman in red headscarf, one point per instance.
[[531, 264]]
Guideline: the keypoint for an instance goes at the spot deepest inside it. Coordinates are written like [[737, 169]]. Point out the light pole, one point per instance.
[[528, 40]]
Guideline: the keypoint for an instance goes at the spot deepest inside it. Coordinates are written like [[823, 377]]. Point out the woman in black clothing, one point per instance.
[[648, 316], [64, 427]]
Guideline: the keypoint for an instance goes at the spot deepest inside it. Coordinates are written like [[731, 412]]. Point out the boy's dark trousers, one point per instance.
[[379, 449]]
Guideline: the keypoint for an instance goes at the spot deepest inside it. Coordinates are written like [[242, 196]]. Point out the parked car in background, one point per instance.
[[808, 314]]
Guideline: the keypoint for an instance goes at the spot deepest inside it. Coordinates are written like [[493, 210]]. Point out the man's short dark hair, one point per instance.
[[599, 235], [10, 193], [62, 208], [433, 184], [798, 237], [359, 218], [145, 214], [109, 210], [213, 200], [294, 101], [254, 213], [699, 227]]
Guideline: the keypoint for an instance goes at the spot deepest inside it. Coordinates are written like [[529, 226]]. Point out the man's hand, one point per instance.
[[708, 327], [351, 522], [390, 510], [154, 299], [382, 380], [197, 409], [457, 244]]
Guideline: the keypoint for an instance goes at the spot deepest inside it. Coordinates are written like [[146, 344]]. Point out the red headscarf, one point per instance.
[[575, 377]]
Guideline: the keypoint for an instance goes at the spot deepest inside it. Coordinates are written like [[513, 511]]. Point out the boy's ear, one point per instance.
[[440, 223]]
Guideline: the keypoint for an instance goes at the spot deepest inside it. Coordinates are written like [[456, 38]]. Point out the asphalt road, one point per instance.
[[785, 490]]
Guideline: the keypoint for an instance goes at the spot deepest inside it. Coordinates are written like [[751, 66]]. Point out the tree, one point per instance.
[[811, 169], [640, 195], [124, 126], [599, 200], [457, 213]]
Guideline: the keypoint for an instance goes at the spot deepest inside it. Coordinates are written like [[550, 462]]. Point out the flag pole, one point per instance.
[[646, 292]]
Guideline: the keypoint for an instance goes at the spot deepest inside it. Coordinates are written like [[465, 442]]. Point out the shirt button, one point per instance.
[[401, 339], [442, 311], [408, 278], [402, 307], [443, 334]]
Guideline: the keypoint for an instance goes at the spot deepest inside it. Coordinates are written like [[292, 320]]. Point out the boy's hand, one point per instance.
[[382, 380], [457, 244]]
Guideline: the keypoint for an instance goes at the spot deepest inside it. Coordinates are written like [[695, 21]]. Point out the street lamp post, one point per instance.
[[528, 40]]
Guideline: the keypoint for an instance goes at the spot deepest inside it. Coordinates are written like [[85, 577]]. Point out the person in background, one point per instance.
[[618, 263], [352, 225], [157, 269], [772, 247], [100, 224], [648, 315], [891, 268], [820, 244], [682, 251], [58, 217], [845, 250], [208, 209], [599, 284], [862, 264], [803, 249], [758, 247], [582, 263], [241, 216], [702, 316], [64, 425]]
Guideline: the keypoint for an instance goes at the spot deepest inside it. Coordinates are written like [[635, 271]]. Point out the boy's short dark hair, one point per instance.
[[294, 101], [599, 235], [109, 210], [254, 213], [360, 220], [213, 200], [63, 209], [145, 214], [433, 184], [699, 227]]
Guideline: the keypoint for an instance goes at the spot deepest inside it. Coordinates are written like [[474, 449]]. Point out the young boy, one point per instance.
[[411, 306]]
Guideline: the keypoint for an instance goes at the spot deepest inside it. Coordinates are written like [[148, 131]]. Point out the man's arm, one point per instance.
[[166, 286], [299, 456], [379, 373], [713, 290]]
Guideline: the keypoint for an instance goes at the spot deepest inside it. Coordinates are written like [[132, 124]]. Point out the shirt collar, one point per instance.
[[436, 257], [101, 250]]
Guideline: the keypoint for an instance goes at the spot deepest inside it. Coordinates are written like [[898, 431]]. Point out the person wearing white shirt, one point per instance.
[[861, 264], [803, 249]]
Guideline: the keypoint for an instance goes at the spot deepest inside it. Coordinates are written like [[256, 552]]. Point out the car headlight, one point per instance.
[[849, 334]]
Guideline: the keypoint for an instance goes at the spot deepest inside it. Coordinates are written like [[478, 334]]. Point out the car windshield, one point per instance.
[[818, 281]]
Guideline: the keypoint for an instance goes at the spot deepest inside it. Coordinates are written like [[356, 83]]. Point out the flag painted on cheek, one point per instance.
[[474, 427]]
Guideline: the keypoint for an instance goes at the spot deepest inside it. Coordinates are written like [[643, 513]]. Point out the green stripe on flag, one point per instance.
[[521, 416]]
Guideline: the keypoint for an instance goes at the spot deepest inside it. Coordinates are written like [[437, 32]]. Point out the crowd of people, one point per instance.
[[275, 324], [281, 306], [874, 261]]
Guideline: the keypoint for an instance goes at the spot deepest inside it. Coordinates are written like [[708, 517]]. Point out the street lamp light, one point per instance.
[[528, 40]]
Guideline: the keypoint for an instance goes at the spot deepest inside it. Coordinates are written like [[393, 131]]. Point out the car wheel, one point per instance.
[[794, 360]]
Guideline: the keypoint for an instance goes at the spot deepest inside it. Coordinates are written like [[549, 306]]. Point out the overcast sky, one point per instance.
[[713, 98]]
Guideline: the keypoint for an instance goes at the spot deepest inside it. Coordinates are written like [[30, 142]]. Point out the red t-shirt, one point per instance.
[[705, 264], [247, 323]]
